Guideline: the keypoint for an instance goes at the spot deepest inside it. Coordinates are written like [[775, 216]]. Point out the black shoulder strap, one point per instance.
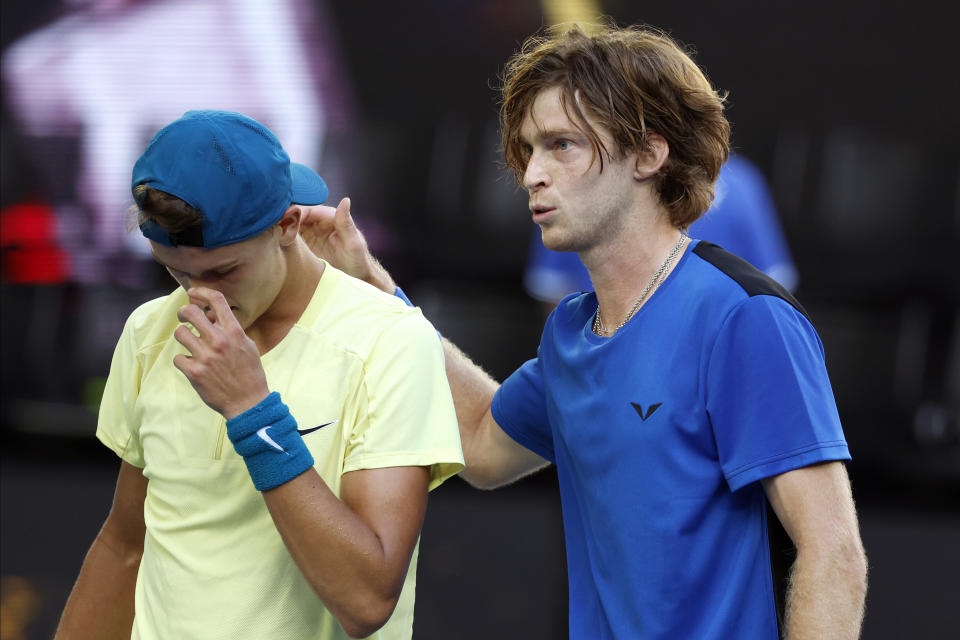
[[753, 281]]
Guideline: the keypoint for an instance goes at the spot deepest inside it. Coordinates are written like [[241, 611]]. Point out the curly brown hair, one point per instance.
[[631, 81]]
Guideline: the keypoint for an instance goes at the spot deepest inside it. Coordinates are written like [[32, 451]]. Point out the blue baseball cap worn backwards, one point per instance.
[[231, 169]]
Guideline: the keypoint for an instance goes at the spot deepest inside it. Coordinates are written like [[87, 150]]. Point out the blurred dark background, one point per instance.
[[850, 111]]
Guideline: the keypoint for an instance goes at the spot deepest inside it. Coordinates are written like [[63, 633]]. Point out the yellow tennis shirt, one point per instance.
[[358, 361]]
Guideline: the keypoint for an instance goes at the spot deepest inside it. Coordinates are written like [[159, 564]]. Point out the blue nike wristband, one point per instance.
[[400, 294], [266, 436]]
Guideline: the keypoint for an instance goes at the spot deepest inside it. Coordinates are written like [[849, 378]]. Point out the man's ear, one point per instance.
[[651, 160], [289, 225]]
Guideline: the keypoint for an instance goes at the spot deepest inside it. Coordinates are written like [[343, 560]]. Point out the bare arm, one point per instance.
[[492, 457], [355, 552], [828, 582], [101, 603]]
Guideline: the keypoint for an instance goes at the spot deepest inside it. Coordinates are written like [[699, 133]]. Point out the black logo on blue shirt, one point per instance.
[[649, 412]]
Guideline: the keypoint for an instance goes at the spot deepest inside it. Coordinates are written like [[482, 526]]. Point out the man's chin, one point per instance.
[[557, 243]]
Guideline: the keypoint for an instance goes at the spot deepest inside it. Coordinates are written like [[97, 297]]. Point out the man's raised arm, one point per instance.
[[492, 457]]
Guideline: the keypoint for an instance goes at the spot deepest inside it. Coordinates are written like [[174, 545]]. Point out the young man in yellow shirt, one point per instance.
[[280, 423]]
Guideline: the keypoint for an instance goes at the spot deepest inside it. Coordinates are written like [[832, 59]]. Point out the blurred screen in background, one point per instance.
[[83, 94], [88, 90]]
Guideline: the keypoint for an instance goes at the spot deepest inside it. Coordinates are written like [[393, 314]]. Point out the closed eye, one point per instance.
[[212, 275]]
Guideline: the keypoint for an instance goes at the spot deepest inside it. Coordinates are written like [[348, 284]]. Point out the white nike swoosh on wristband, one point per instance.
[[262, 434]]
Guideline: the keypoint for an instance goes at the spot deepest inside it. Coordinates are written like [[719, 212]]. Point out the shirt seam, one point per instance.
[[726, 319], [783, 456]]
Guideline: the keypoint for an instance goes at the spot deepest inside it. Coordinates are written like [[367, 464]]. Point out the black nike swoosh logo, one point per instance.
[[304, 432]]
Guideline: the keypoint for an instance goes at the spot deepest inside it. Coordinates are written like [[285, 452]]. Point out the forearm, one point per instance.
[[493, 459], [354, 572], [353, 547], [828, 582], [379, 277], [826, 595], [101, 604], [472, 389], [471, 386]]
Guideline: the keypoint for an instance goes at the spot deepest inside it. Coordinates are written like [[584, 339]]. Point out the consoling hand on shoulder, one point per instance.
[[333, 236]]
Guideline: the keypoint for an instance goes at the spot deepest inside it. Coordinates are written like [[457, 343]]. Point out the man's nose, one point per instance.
[[190, 282], [535, 175]]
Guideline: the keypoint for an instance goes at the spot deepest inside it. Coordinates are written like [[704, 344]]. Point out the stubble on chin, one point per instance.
[[564, 239], [553, 238]]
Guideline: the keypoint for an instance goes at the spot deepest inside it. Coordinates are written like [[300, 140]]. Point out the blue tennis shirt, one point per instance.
[[660, 435]]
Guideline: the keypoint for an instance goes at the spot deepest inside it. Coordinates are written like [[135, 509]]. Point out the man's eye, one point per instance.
[[563, 145]]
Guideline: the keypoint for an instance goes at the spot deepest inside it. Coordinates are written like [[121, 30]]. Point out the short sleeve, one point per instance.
[[408, 418], [117, 424], [519, 407], [768, 394]]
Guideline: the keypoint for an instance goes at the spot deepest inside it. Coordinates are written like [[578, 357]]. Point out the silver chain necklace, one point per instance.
[[601, 330]]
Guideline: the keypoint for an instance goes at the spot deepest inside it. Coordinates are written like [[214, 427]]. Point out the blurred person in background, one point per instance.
[[685, 403], [77, 91], [84, 93], [742, 219], [308, 525]]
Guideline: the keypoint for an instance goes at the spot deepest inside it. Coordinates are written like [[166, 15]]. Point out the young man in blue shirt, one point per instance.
[[683, 397]]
